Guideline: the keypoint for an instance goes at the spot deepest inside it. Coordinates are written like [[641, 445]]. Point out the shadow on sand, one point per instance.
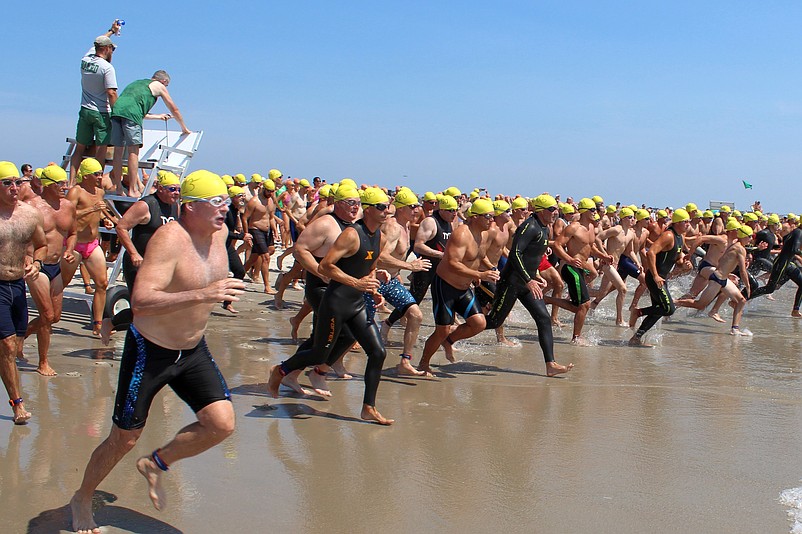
[[297, 411]]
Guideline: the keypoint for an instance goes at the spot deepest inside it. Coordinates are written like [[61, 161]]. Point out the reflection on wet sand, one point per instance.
[[699, 434]]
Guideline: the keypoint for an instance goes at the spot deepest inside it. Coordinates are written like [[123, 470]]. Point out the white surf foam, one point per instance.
[[792, 498]]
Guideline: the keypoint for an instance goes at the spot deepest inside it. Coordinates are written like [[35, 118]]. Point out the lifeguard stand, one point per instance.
[[161, 150]]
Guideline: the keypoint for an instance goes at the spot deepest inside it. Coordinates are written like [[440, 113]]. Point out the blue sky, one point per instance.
[[661, 103]]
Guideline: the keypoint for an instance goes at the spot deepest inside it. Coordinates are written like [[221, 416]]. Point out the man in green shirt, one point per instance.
[[130, 109]]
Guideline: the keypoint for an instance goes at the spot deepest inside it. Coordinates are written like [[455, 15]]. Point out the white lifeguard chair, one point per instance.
[[161, 150]]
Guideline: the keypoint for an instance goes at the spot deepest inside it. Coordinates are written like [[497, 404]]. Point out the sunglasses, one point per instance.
[[350, 202], [450, 211], [552, 209], [488, 215], [172, 188], [216, 202], [8, 182], [380, 207]]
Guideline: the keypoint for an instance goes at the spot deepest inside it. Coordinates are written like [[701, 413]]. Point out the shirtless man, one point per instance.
[[451, 286], [262, 227], [183, 276], [638, 252], [394, 258], [60, 228], [350, 264], [22, 225], [574, 248], [733, 257], [617, 239], [87, 197]]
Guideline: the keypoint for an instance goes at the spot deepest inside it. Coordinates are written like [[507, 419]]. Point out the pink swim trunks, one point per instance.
[[85, 249]]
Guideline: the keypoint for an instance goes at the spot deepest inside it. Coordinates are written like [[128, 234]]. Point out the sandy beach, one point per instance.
[[699, 434]]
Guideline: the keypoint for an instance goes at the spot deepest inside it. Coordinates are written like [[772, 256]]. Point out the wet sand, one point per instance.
[[699, 434]]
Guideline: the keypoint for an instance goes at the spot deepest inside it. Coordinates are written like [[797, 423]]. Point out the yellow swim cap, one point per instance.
[[774, 219], [626, 212], [373, 196], [345, 192], [405, 197], [707, 215], [750, 217], [38, 172], [167, 178], [586, 204], [474, 195], [228, 180], [202, 184], [759, 213], [452, 192], [679, 215], [690, 207], [610, 210], [480, 207], [52, 174], [324, 191], [304, 182], [429, 196], [274, 174], [791, 216], [567, 209], [447, 203], [634, 208], [663, 214], [348, 181], [519, 203], [596, 216], [257, 178], [597, 200], [732, 224], [641, 214], [544, 202], [89, 166], [235, 190], [736, 214], [500, 206], [725, 209], [239, 178], [745, 231]]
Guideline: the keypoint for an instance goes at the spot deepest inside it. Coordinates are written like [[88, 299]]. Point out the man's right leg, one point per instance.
[[103, 459], [42, 326], [75, 161], [134, 186], [10, 376]]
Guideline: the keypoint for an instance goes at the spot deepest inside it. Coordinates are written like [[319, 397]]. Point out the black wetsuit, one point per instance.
[[761, 259], [345, 306], [662, 304], [784, 268], [160, 214], [421, 280], [314, 289], [234, 261], [530, 242]]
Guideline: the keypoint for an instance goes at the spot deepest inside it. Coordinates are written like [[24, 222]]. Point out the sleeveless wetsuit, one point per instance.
[[662, 304], [784, 268], [160, 214]]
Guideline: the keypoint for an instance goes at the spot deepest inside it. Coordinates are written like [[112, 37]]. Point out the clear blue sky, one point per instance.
[[661, 103]]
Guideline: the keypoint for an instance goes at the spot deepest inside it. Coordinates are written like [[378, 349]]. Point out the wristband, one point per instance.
[[40, 262]]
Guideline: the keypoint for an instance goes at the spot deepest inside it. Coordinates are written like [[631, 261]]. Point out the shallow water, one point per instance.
[[699, 434]]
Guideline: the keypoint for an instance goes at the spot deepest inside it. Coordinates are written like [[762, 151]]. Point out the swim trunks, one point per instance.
[[627, 267], [262, 241], [447, 301], [544, 263], [395, 294], [85, 249], [145, 368], [13, 308], [51, 270], [575, 282]]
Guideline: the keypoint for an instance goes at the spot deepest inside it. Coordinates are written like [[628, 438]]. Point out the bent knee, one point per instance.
[[414, 314]]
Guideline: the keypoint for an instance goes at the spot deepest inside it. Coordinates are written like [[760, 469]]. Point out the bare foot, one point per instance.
[[370, 413], [291, 381], [580, 341], [635, 341], [21, 415], [96, 326], [796, 314], [21, 357], [274, 381], [44, 369], [426, 370], [88, 289], [106, 330], [554, 368], [319, 383], [341, 371], [230, 309], [385, 331], [634, 313], [148, 468], [770, 297], [356, 347], [404, 368], [278, 302], [82, 520], [294, 323], [621, 323], [716, 317], [504, 342], [448, 348], [269, 290], [557, 323]]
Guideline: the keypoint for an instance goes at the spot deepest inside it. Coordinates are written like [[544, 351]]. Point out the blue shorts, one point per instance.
[[13, 308], [395, 294], [51, 270], [627, 267], [447, 301]]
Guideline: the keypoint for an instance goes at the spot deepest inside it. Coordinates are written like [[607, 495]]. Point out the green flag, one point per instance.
[[747, 185]]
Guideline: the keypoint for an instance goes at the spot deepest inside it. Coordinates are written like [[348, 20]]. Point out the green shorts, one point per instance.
[[94, 127]]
